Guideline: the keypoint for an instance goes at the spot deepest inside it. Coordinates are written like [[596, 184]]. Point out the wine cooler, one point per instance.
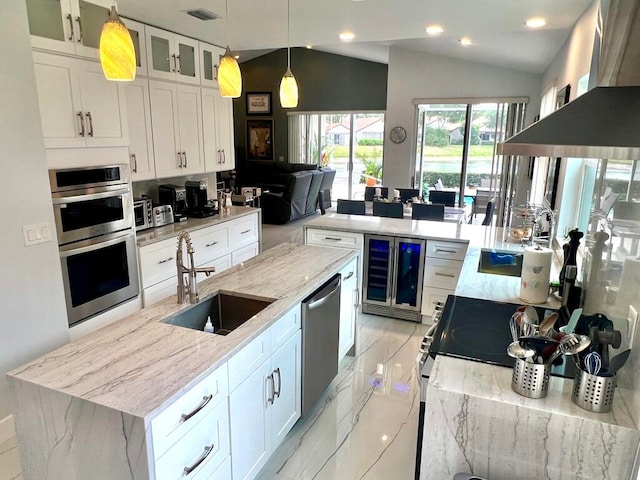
[[393, 272]]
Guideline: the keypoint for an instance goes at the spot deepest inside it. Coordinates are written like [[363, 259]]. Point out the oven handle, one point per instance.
[[70, 250], [91, 196]]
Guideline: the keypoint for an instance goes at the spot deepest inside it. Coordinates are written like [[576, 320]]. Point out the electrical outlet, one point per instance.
[[632, 319]]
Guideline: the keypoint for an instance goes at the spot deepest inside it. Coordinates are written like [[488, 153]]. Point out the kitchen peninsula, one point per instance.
[[103, 407]]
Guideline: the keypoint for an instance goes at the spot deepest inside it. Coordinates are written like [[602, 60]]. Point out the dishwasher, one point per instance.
[[320, 330]]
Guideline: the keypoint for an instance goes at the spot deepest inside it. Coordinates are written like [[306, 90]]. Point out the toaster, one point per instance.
[[162, 215]]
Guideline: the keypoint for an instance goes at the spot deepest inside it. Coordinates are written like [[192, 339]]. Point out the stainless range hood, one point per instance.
[[605, 121]]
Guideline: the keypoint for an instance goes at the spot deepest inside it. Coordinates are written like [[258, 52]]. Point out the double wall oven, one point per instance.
[[93, 211]]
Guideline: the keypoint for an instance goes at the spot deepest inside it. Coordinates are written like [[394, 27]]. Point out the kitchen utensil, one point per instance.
[[516, 350], [592, 363], [547, 324], [570, 344], [513, 326], [573, 320], [544, 347], [601, 340], [530, 322], [592, 392], [617, 362]]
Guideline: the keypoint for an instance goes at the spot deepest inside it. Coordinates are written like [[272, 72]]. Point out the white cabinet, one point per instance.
[[177, 129], [140, 134], [209, 62], [349, 299], [218, 138], [171, 56], [136, 30], [78, 106], [264, 407], [68, 26], [443, 264]]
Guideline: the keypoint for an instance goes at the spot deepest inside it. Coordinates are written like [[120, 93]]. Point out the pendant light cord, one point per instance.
[[226, 13], [288, 34]]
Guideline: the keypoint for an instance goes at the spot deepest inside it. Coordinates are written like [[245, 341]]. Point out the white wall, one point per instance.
[[421, 75], [33, 317]]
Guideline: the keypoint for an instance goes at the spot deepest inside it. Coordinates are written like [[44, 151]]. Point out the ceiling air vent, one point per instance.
[[202, 14]]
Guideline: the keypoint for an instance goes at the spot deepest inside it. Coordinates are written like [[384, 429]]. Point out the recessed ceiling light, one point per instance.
[[236, 57], [465, 41], [346, 36], [202, 14], [535, 22], [309, 47], [434, 29]]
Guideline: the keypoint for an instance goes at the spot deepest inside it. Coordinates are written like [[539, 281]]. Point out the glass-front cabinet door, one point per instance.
[[172, 57], [136, 29], [69, 26], [209, 61]]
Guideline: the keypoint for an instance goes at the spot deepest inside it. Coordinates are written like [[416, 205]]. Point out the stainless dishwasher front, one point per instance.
[[320, 330]]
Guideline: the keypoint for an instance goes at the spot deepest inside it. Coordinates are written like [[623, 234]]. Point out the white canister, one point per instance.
[[536, 271]]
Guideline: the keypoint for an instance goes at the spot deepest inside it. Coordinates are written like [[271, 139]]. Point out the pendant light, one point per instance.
[[288, 85], [117, 55], [229, 78]]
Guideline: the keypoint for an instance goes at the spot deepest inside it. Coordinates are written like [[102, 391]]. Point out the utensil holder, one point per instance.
[[530, 379], [593, 392]]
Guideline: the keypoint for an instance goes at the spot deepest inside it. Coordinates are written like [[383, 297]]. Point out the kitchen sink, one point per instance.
[[227, 311], [500, 262]]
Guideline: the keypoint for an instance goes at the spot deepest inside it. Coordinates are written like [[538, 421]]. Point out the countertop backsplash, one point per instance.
[[150, 187]]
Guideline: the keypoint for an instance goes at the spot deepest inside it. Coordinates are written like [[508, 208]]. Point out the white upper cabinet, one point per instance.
[[171, 56], [140, 136], [217, 123], [78, 106], [209, 62], [69, 26], [224, 129], [136, 29], [177, 129]]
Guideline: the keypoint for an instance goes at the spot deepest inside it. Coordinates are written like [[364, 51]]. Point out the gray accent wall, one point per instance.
[[326, 82]]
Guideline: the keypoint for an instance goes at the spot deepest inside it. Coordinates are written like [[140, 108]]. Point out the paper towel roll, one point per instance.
[[536, 270]]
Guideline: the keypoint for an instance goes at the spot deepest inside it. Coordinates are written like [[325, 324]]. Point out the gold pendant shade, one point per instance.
[[117, 54]]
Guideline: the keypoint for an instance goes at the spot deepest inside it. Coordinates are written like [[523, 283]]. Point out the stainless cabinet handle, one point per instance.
[[245, 231], [215, 72], [220, 156], [205, 400], [224, 157], [348, 276], [276, 393], [442, 250], [81, 37], [211, 244], [438, 274], [81, 117], [357, 296], [90, 124], [70, 18], [179, 155], [173, 69], [184, 154], [270, 398], [135, 163], [178, 63], [333, 239], [205, 454], [165, 260]]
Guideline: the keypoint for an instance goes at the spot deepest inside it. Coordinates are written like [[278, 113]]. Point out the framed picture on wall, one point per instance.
[[259, 103], [562, 97], [260, 139]]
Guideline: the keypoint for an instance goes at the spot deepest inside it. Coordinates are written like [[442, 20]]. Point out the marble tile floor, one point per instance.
[[365, 426]]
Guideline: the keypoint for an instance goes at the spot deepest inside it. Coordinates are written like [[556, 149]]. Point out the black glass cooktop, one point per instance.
[[478, 330]]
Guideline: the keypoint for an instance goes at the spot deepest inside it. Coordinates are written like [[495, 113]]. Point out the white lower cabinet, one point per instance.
[[264, 407], [349, 299], [442, 267]]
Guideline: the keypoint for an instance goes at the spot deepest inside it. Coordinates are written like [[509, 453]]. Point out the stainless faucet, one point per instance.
[[537, 226], [188, 287]]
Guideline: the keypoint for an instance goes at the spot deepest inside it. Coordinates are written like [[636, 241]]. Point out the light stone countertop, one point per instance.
[[139, 365], [153, 235]]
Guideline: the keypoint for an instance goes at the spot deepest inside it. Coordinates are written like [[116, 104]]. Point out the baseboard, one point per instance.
[[7, 429]]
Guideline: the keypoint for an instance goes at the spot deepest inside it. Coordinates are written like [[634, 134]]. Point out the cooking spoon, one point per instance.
[[617, 362], [543, 346], [516, 350], [530, 321], [571, 344], [548, 323]]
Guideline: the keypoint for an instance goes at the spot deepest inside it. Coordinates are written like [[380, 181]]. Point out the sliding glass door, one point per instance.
[[351, 143]]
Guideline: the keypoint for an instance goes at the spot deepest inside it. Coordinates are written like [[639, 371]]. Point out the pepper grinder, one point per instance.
[[595, 283], [570, 256]]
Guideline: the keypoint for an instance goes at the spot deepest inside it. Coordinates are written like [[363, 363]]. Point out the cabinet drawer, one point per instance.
[[171, 425], [223, 472], [244, 253], [243, 363], [159, 291], [330, 238], [157, 262], [442, 273], [288, 324], [430, 299], [205, 445], [243, 231], [210, 243], [448, 250]]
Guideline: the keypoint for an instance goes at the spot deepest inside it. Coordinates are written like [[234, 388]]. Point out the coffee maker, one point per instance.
[[176, 196], [197, 200]]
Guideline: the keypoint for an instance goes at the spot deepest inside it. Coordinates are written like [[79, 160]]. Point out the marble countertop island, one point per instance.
[[139, 364]]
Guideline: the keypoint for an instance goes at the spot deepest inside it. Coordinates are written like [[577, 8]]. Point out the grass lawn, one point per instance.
[[375, 151]]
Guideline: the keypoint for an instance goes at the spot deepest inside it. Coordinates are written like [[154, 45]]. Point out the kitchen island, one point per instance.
[[91, 409]]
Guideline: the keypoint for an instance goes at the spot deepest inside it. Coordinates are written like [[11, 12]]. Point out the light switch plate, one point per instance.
[[37, 233]]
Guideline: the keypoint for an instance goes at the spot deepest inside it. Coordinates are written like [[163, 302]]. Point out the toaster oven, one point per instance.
[[143, 213]]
